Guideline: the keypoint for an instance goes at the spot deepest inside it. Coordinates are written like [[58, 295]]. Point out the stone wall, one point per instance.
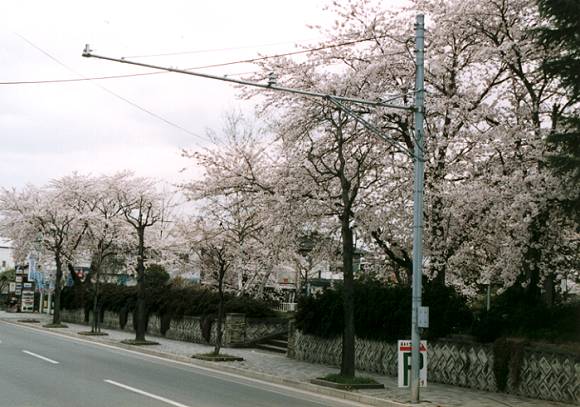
[[544, 374], [238, 330]]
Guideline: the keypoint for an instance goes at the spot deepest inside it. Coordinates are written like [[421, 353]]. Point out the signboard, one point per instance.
[[12, 287], [404, 349], [27, 285], [27, 304], [18, 279]]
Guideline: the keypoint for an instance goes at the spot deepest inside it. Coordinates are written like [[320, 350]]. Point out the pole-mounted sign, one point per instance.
[[404, 350]]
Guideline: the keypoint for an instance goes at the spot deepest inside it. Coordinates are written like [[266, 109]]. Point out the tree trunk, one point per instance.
[[96, 325], [220, 316], [533, 256], [56, 314], [140, 315], [347, 364], [549, 291], [438, 246]]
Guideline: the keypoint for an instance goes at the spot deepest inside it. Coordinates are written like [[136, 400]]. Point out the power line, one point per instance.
[[124, 99], [244, 61], [304, 51], [203, 51]]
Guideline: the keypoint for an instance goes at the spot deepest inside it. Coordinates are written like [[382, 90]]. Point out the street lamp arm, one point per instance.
[[87, 53]]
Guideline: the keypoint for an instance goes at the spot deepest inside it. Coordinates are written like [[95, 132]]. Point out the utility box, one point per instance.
[[423, 321]]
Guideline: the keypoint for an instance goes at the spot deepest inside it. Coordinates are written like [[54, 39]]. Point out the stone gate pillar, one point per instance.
[[235, 329]]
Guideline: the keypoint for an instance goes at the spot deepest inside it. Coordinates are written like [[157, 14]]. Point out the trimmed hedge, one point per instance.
[[515, 313], [383, 311], [167, 301]]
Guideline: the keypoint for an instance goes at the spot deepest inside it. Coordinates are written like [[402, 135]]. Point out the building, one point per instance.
[[6, 256]]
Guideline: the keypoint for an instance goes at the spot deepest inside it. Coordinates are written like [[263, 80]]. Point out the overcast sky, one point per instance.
[[50, 130]]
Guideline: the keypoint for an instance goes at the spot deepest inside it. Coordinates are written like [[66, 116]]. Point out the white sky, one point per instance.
[[50, 130]]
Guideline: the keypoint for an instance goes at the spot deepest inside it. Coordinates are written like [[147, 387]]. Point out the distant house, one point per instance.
[[321, 274], [6, 259]]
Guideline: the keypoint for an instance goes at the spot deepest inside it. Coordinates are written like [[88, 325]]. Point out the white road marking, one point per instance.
[[54, 362], [212, 372], [144, 393]]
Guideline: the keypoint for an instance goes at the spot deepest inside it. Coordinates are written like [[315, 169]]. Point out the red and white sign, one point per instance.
[[404, 350]]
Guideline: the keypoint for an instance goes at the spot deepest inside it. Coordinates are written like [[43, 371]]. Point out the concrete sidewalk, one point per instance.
[[277, 368]]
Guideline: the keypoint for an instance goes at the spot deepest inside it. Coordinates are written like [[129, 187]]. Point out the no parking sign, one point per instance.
[[404, 349]]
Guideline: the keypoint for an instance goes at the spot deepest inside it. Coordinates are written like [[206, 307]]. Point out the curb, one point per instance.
[[311, 388]]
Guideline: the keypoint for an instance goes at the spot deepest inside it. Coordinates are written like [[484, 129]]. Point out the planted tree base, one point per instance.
[[29, 321], [55, 326], [217, 358], [139, 343], [89, 333], [347, 383]]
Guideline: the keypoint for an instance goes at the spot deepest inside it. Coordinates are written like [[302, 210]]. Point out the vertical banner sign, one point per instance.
[[404, 350]]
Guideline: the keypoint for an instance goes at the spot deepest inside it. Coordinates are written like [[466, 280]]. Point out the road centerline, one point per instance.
[[144, 393], [54, 362]]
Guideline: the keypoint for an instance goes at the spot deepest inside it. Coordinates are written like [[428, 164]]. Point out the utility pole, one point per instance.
[[418, 207]]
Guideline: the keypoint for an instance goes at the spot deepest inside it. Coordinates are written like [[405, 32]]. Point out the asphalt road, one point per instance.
[[40, 369]]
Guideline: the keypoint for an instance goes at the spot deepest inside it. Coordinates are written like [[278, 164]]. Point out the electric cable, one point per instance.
[[244, 61], [204, 51], [124, 99]]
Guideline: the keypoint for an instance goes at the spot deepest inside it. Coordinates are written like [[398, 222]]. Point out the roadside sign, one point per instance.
[[404, 350], [27, 304]]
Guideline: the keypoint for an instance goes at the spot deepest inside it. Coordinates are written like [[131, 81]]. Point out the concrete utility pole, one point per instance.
[[418, 207]]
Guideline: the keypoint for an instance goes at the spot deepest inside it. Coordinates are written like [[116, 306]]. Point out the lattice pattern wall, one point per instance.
[[257, 329], [543, 375], [549, 373], [462, 364]]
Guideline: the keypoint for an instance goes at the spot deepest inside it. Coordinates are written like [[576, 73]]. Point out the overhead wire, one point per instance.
[[124, 99], [243, 61], [153, 114], [203, 51]]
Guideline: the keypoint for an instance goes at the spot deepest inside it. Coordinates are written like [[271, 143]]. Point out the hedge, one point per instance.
[[515, 313], [383, 311], [168, 301]]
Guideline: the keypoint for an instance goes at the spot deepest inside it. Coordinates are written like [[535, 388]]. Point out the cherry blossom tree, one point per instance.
[[217, 249], [45, 218], [488, 108], [142, 207], [105, 233], [238, 190]]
